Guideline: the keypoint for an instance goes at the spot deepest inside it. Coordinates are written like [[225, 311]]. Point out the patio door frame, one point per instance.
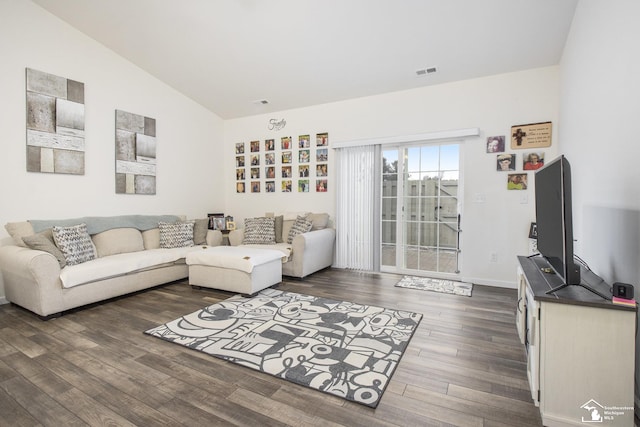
[[402, 213], [438, 136]]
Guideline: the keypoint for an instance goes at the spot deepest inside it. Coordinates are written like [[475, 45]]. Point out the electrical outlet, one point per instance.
[[493, 257]]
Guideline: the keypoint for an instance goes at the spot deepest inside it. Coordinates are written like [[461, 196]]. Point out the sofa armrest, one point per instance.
[[236, 236], [311, 251], [31, 279], [214, 238]]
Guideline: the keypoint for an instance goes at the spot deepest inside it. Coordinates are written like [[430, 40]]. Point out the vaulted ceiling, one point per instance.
[[228, 54]]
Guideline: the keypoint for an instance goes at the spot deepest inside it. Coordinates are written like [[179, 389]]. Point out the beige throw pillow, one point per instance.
[[200, 227], [43, 241], [17, 230], [278, 226]]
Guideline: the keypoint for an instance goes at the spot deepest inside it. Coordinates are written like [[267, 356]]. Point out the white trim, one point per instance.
[[446, 134], [4, 300]]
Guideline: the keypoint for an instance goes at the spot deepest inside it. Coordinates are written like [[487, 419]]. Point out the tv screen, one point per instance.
[[554, 218]]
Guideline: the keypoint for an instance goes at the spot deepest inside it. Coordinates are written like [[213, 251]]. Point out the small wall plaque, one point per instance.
[[533, 135]]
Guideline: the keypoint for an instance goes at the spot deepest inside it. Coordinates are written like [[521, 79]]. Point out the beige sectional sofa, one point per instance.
[[307, 252], [128, 258]]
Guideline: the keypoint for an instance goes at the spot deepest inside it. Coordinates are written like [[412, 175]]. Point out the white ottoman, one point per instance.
[[235, 268]]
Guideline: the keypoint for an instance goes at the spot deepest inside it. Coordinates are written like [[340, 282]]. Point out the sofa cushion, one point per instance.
[[293, 215], [301, 225], [118, 241], [319, 220], [259, 231], [151, 238], [75, 243], [43, 241], [120, 264], [176, 235], [17, 230]]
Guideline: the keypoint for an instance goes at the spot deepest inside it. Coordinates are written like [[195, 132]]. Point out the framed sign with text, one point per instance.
[[533, 135]]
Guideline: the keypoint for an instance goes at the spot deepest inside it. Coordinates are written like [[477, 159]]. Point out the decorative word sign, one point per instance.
[[277, 124], [534, 135]]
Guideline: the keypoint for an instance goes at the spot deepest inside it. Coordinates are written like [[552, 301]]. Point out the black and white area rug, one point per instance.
[[436, 285], [338, 347]]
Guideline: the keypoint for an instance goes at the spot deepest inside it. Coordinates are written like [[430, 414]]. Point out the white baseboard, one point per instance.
[[3, 300]]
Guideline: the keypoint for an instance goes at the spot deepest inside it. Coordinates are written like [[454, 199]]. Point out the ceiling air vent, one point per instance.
[[424, 71]]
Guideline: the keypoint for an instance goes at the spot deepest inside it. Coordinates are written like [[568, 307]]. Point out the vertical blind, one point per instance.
[[357, 215]]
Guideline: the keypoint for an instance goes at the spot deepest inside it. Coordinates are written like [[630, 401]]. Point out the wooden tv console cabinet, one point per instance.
[[580, 349]]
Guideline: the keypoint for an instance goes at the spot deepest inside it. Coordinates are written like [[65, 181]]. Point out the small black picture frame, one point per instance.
[[533, 231], [214, 220]]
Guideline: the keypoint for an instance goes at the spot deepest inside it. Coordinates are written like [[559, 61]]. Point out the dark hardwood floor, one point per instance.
[[464, 366]]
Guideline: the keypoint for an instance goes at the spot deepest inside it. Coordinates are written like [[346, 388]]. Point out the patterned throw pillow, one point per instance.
[[176, 235], [259, 231], [75, 243], [302, 225]]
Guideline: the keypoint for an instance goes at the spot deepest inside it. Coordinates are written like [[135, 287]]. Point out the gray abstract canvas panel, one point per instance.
[[135, 153], [55, 124]]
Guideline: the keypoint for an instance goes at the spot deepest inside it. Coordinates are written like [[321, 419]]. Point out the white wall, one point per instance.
[[189, 161], [493, 104], [600, 109], [188, 171], [600, 101]]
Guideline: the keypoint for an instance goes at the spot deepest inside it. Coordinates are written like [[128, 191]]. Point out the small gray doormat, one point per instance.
[[436, 285]]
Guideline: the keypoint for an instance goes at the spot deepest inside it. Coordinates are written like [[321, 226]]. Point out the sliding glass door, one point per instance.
[[420, 209]]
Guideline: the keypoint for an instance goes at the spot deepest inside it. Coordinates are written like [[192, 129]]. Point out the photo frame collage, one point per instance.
[[285, 165], [515, 165]]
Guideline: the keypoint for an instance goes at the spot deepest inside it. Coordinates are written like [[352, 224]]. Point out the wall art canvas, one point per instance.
[[304, 141], [533, 161], [135, 154], [517, 181], [55, 124], [322, 139], [495, 144]]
